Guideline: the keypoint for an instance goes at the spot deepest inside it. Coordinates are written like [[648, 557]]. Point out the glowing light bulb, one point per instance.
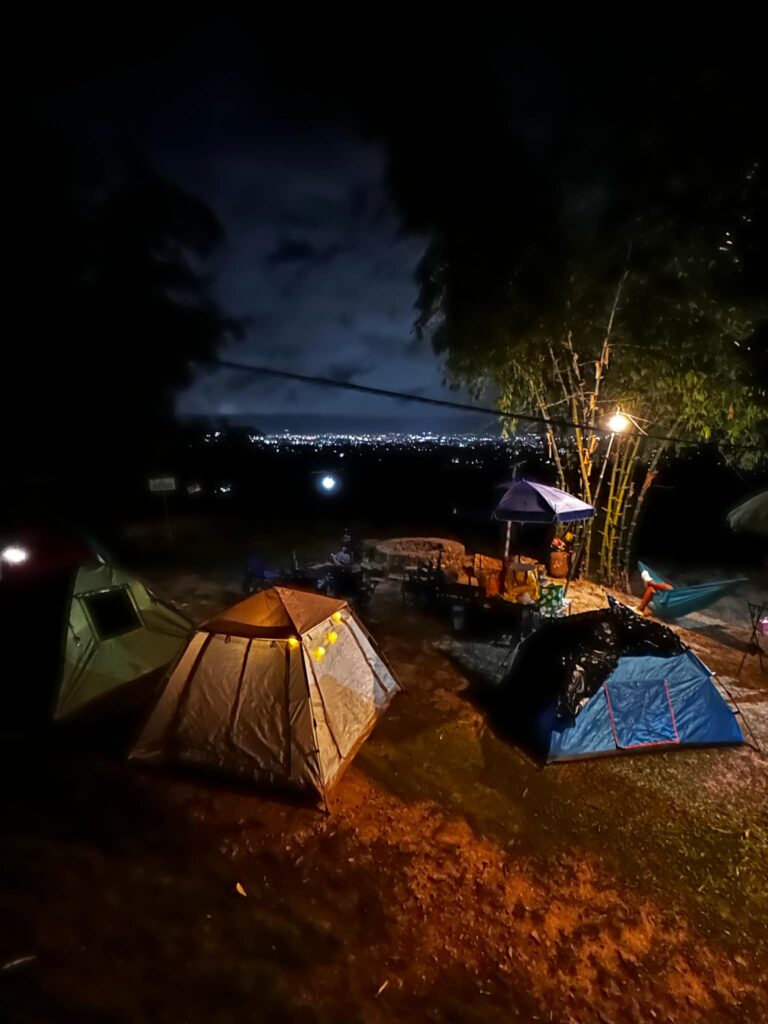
[[328, 483], [320, 653], [14, 555], [293, 641], [617, 423], [336, 616], [333, 636]]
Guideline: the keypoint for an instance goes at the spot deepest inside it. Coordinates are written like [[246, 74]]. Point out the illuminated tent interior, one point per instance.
[[282, 688], [118, 632], [81, 635]]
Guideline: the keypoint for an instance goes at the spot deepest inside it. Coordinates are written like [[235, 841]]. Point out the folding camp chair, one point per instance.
[[756, 613]]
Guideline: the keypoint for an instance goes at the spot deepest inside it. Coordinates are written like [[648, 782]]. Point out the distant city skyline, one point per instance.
[[435, 421]]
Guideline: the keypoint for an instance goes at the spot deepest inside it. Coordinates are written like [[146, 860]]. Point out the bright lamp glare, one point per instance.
[[14, 555], [328, 483], [617, 423]]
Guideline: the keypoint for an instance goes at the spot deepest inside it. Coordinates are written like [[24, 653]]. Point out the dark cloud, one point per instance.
[[314, 264], [413, 346], [301, 252], [346, 372], [291, 250], [380, 342], [258, 324]]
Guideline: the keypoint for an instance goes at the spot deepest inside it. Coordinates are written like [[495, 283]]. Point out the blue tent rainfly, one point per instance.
[[526, 501], [645, 703]]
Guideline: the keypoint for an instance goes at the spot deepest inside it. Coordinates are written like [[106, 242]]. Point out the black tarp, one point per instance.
[[568, 659]]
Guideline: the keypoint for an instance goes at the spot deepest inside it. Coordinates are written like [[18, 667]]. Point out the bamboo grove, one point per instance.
[[690, 382]]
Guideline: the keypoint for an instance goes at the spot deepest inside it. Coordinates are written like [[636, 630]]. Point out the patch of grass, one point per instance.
[[649, 836]]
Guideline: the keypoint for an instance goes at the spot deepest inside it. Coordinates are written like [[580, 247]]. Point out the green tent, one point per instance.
[[117, 633]]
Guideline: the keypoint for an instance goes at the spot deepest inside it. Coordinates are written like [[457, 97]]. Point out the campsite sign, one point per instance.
[[162, 484]]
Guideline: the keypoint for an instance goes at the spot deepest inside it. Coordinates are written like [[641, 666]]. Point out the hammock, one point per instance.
[[673, 604]]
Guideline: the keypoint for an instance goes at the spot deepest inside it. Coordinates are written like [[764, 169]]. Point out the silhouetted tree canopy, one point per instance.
[[106, 304], [534, 152]]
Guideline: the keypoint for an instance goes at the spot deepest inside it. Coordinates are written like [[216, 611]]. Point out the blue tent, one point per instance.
[[645, 703]]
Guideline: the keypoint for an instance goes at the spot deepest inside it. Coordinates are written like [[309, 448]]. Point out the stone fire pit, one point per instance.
[[400, 552]]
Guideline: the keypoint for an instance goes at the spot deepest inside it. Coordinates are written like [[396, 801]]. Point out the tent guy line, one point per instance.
[[445, 403]]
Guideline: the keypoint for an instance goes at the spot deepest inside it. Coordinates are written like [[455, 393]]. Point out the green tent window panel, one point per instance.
[[112, 612]]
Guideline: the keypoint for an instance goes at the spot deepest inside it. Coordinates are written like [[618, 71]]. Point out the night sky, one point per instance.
[[279, 123], [316, 263]]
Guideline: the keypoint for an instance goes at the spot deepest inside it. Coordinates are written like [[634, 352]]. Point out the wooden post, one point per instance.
[[168, 524]]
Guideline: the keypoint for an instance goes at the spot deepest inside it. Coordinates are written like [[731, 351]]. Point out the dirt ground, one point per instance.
[[455, 880]]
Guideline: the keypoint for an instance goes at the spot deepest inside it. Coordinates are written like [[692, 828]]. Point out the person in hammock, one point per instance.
[[651, 589]]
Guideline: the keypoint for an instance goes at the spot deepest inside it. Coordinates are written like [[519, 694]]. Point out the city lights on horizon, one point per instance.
[[391, 439], [341, 443]]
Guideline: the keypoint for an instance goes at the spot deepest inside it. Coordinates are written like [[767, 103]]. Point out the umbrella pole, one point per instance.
[[507, 540]]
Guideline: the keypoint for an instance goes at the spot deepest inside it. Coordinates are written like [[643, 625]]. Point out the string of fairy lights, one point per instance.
[[336, 622], [446, 403]]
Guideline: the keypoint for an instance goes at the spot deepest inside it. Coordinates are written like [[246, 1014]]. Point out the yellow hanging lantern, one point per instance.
[[333, 636], [336, 616], [293, 641], [320, 653]]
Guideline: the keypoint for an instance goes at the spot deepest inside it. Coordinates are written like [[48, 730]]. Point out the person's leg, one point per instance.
[[650, 591]]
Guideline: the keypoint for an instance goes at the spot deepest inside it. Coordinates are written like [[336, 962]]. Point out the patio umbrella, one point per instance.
[[525, 501], [752, 515]]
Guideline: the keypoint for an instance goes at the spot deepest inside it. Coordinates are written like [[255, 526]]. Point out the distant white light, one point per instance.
[[328, 483], [14, 554]]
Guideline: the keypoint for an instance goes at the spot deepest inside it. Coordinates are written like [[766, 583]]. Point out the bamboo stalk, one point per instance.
[[627, 463], [621, 569], [550, 437], [606, 343], [579, 414], [591, 407], [605, 546], [581, 449], [584, 545], [628, 493], [650, 476]]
